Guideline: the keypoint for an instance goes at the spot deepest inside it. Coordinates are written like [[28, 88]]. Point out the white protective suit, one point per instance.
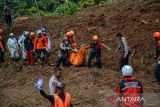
[[13, 47], [21, 43]]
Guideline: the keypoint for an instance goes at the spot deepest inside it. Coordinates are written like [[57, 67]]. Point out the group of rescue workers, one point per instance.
[[128, 87], [39, 45], [30, 45]]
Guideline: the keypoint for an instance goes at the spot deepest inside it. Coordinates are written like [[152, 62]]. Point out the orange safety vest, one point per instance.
[[39, 43], [72, 41], [59, 103]]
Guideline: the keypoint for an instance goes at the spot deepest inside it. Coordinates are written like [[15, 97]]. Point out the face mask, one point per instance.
[[11, 37], [158, 61], [66, 42]]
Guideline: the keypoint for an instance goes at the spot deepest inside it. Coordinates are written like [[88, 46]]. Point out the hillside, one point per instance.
[[136, 19]]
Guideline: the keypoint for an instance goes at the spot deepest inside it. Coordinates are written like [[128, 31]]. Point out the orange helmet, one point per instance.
[[156, 34], [1, 31], [95, 38], [70, 33], [32, 34]]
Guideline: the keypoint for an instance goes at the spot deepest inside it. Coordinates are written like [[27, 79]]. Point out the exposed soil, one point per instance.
[[137, 19]]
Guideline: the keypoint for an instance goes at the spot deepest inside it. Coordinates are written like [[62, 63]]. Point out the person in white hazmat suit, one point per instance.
[[21, 43], [13, 47]]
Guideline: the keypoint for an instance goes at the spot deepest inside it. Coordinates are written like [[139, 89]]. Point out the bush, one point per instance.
[[67, 8]]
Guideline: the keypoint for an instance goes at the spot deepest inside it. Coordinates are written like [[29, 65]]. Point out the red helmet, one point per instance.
[[156, 35]]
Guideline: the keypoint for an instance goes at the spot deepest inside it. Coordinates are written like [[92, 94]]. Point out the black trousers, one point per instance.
[[1, 56], [62, 60]]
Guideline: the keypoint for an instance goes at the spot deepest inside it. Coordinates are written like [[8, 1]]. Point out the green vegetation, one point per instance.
[[35, 8]]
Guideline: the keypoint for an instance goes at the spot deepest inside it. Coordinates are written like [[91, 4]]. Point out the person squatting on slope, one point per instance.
[[156, 79], [60, 99], [1, 47], [129, 87], [95, 52], [21, 44], [63, 53], [29, 45], [47, 49], [7, 14], [54, 80], [71, 40], [124, 49], [13, 47], [39, 46]]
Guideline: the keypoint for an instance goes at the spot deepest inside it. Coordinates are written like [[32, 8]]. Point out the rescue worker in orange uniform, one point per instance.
[[71, 39], [156, 36], [156, 79], [60, 99], [48, 43], [1, 47], [129, 88], [39, 46], [95, 52]]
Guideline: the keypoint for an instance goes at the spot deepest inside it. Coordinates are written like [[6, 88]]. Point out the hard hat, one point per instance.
[[95, 38], [43, 30], [11, 34], [60, 85], [156, 34], [1, 31], [32, 33], [25, 33], [70, 33], [127, 70], [38, 32]]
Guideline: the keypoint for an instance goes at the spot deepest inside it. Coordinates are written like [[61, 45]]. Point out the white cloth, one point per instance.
[[123, 45], [21, 43], [13, 47], [49, 43], [52, 84]]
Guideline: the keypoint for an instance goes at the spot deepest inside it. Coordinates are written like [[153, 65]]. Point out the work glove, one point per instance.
[[39, 84]]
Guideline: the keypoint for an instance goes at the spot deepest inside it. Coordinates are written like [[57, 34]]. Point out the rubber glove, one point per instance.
[[39, 84]]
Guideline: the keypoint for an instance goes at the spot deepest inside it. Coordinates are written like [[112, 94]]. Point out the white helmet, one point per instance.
[[127, 70], [11, 34], [38, 32], [25, 33]]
